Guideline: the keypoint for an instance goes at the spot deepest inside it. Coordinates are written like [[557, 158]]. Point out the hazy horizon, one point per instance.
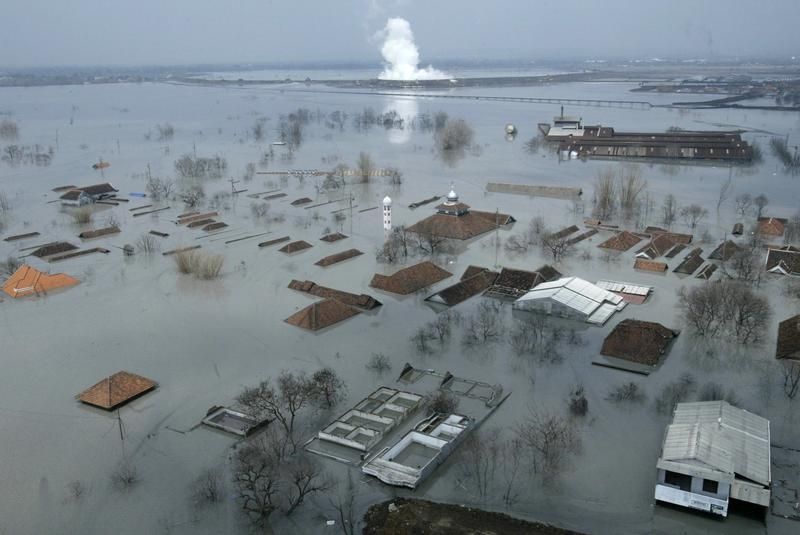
[[86, 33]]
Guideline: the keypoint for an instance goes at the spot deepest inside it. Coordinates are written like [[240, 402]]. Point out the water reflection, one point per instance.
[[407, 109]]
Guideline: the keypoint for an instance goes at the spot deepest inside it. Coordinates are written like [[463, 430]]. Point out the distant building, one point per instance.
[[572, 298], [771, 226], [712, 453]]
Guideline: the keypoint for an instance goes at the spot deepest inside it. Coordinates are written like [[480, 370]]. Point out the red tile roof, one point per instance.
[[116, 390]]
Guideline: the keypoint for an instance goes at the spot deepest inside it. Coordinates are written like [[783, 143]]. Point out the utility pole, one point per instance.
[[496, 236]]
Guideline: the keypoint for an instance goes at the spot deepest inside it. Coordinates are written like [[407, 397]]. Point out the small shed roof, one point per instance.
[[338, 257], [621, 242], [116, 390], [789, 339], [643, 342], [97, 233], [301, 201], [330, 238], [99, 189], [321, 314], [28, 280], [718, 437], [411, 279], [676, 237]]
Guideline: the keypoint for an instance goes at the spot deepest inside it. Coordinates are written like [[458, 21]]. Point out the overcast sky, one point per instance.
[[137, 32]]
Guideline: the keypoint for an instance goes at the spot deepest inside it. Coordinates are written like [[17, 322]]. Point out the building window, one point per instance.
[[682, 481], [710, 486]]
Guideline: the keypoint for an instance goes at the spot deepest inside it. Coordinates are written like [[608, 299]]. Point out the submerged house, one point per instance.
[[455, 220], [117, 390], [88, 194], [783, 261], [572, 298], [514, 283], [473, 282], [771, 226], [415, 456], [642, 343], [28, 280], [411, 279], [322, 314], [714, 453]]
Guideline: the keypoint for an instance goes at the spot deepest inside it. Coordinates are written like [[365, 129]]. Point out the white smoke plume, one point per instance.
[[402, 56]]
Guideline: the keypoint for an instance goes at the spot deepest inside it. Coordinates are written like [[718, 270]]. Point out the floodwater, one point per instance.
[[204, 341]]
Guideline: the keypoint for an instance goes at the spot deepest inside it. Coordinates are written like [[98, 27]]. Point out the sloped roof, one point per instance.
[[330, 238], [28, 280], [659, 245], [471, 271], [676, 237], [789, 339], [464, 289], [690, 264], [785, 260], [638, 341], [463, 227], [338, 257], [771, 226], [295, 246], [621, 242], [89, 234], [649, 265], [719, 437], [564, 232], [116, 390], [98, 189], [410, 279], [53, 248], [301, 201], [362, 301], [724, 251], [321, 314], [71, 195]]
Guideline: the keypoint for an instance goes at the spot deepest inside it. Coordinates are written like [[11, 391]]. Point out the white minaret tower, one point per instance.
[[387, 214]]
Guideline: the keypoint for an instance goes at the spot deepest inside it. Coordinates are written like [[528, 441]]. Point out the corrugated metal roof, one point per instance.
[[624, 287], [578, 294], [723, 437]]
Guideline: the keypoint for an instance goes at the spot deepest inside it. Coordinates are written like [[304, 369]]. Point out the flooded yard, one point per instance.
[[203, 341]]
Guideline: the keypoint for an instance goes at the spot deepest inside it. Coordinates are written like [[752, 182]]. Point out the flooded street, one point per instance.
[[204, 341]]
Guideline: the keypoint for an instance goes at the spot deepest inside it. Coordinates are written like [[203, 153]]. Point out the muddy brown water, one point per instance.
[[204, 340]]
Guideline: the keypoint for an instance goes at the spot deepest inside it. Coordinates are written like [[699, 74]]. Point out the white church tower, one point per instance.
[[387, 214]]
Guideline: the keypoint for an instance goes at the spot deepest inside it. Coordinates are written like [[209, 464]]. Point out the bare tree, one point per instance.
[[725, 307], [674, 393], [193, 195], [549, 439], [792, 229], [379, 362], [485, 324], [669, 210], [421, 339], [604, 195], [160, 188], [761, 201], [629, 392], [630, 187], [791, 377], [479, 458], [442, 326], [256, 478], [455, 135], [557, 246], [442, 402], [430, 241], [345, 505], [693, 214], [744, 266], [305, 477], [744, 202], [148, 244], [125, 476], [208, 488], [294, 392], [327, 387]]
